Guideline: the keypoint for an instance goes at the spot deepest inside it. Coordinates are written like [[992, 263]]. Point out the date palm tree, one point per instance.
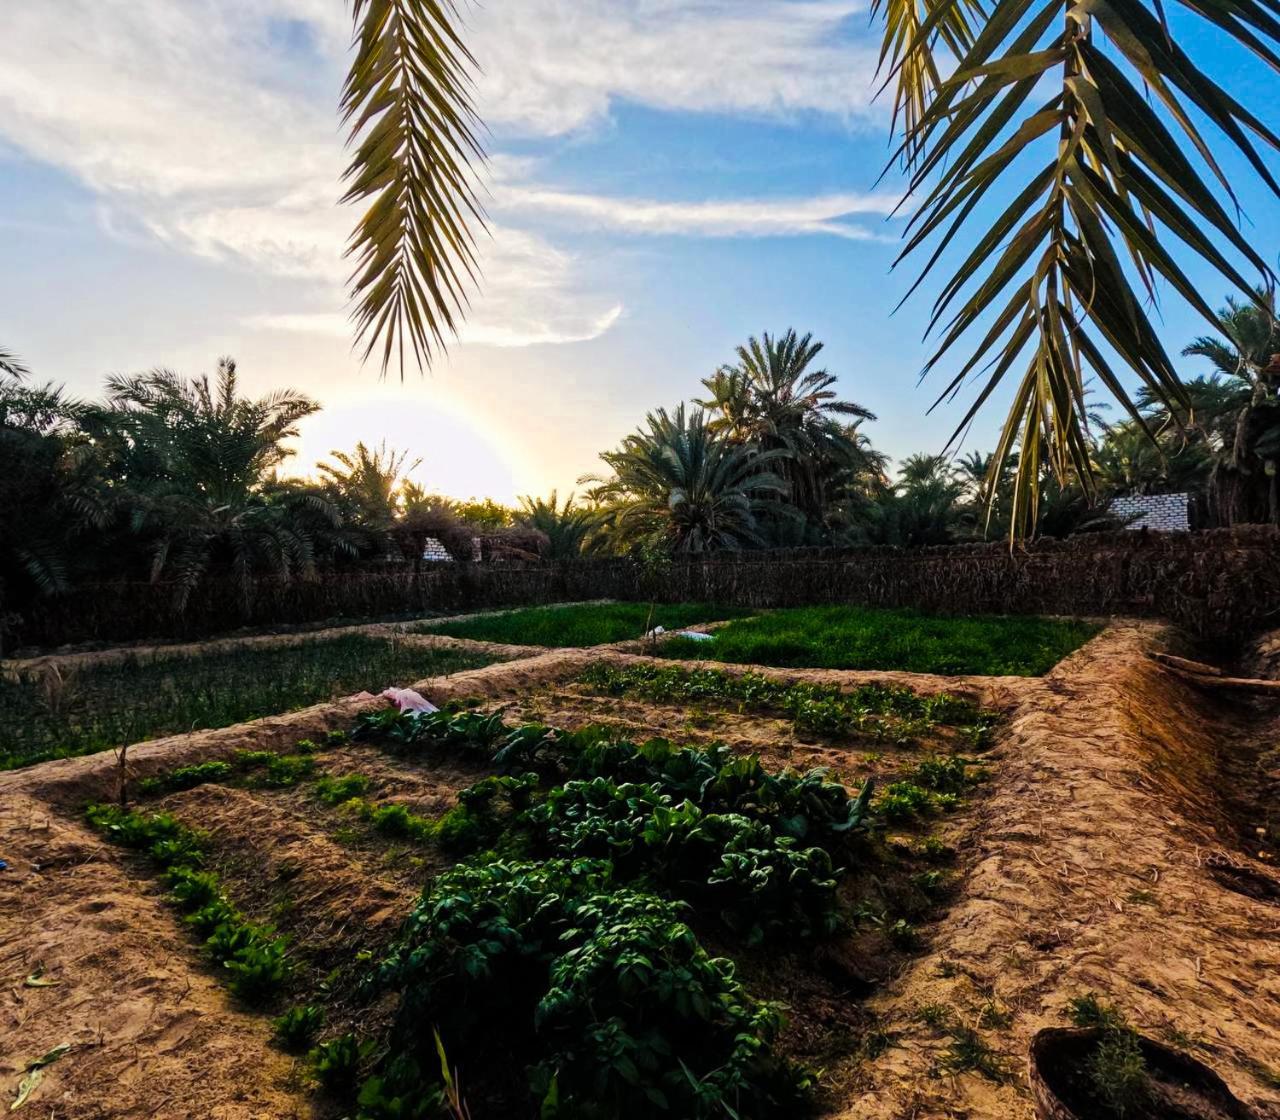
[[366, 487], [566, 526], [774, 399], [198, 462], [1244, 421], [678, 483]]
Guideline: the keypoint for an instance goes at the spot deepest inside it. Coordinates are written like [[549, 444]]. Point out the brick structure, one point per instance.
[[1164, 513]]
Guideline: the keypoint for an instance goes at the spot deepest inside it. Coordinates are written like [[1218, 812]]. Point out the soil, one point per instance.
[[1113, 848]]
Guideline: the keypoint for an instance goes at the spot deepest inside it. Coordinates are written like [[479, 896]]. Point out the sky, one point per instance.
[[666, 178]]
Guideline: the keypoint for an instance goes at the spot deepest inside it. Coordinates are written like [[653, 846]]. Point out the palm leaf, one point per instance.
[[1117, 202], [11, 366], [407, 100]]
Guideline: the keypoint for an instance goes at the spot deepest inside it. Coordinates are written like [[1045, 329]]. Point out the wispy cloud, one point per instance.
[[554, 66], [826, 214], [210, 124]]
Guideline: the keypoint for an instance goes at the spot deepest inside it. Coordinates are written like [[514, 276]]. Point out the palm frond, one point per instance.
[[10, 365], [1060, 284], [407, 99]]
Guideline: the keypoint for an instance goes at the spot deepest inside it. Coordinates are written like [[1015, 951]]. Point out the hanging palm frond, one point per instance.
[[1046, 282], [407, 99], [10, 365]]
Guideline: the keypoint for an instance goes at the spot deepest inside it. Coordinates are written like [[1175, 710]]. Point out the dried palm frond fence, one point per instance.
[[1216, 584]]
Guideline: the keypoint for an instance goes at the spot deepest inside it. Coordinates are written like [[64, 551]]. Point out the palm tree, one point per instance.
[[680, 484], [366, 487], [773, 400], [51, 488], [198, 462], [1242, 418], [1044, 282], [10, 366], [566, 527]]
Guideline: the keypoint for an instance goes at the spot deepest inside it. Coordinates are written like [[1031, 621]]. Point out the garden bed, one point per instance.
[[1000, 867], [904, 640], [56, 710]]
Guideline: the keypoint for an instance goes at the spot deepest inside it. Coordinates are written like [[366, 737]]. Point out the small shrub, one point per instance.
[[297, 1028], [1117, 1072], [336, 1064], [334, 791]]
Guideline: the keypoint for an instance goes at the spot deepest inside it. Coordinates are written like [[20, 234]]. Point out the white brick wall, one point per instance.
[[1165, 513]]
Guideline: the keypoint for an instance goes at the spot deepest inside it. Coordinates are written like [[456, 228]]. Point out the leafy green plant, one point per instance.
[[336, 1063], [259, 968], [297, 1028], [279, 771], [601, 990], [396, 820]]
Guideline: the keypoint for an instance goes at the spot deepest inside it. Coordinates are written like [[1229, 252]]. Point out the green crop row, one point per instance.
[[880, 711], [253, 956]]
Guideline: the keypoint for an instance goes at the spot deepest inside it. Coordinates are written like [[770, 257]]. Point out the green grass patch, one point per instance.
[[46, 715], [585, 625], [905, 640]]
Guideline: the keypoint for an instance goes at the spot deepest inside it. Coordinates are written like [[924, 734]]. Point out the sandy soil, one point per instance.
[[1094, 860], [1090, 873]]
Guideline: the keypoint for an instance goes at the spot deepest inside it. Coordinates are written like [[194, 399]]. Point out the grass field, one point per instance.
[[585, 625], [865, 638], [56, 715]]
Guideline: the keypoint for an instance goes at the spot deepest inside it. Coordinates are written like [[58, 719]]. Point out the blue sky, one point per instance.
[[668, 177]]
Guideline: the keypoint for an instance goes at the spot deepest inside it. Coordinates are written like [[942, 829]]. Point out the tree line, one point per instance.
[[173, 480]]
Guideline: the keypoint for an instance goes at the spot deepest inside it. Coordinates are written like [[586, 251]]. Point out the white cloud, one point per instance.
[[554, 66], [211, 124], [821, 214]]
